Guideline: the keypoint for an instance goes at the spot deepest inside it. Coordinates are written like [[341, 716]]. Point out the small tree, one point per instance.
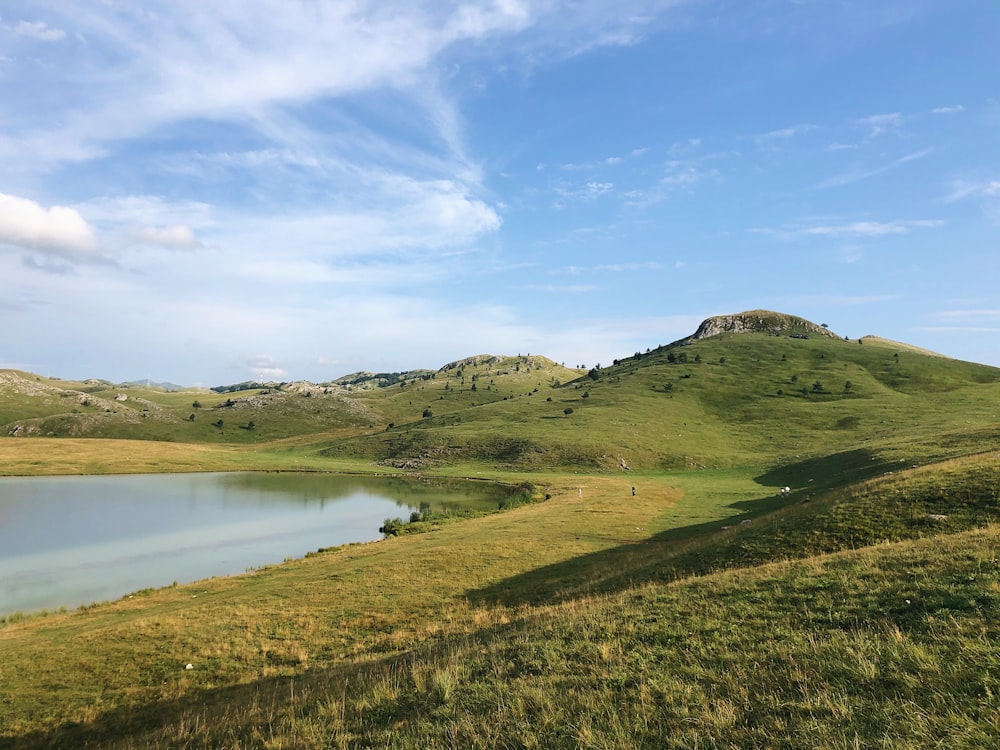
[[817, 387], [848, 386], [196, 405], [568, 410], [428, 413]]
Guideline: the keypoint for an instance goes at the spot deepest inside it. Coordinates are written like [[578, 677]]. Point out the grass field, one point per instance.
[[703, 611]]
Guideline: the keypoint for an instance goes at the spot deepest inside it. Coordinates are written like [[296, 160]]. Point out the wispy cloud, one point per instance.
[[877, 125], [630, 267], [586, 192], [773, 138], [564, 289], [982, 314], [858, 174], [984, 191], [38, 30], [962, 189], [264, 367], [679, 175], [842, 147], [948, 110], [608, 161], [853, 230], [176, 237]]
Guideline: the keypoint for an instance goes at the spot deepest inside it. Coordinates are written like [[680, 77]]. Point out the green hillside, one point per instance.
[[729, 400], [659, 592]]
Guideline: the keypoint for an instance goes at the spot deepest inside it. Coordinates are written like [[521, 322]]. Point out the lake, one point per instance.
[[69, 541]]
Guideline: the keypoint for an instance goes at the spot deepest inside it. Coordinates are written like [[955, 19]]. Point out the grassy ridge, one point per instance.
[[728, 401]]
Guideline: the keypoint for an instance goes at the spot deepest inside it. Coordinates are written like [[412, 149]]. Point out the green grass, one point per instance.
[[861, 611]]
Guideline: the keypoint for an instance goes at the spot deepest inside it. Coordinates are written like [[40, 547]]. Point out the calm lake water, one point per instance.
[[67, 541]]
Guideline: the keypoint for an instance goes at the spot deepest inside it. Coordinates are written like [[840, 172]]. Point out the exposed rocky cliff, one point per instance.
[[758, 321]]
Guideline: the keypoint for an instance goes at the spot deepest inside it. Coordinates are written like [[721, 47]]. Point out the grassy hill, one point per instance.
[[705, 610]]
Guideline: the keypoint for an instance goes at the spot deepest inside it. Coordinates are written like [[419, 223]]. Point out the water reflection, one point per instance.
[[66, 541]]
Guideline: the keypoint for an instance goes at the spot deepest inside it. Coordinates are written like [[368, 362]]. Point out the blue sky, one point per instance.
[[211, 192]]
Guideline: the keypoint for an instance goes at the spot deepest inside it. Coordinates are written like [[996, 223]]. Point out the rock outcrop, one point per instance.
[[758, 321]]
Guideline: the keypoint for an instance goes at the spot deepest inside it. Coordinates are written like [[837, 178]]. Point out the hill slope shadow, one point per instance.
[[700, 548], [611, 569], [828, 472]]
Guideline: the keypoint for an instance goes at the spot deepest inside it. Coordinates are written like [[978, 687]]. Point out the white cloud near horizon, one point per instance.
[[979, 314]]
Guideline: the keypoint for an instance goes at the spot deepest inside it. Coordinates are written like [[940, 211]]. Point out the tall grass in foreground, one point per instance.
[[893, 647]]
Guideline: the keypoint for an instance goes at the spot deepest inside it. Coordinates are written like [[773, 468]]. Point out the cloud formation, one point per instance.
[[58, 230], [37, 30]]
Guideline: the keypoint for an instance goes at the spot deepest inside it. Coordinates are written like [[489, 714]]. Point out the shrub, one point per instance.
[[391, 527]]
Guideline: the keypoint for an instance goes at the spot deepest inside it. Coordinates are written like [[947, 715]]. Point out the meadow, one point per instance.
[[704, 610]]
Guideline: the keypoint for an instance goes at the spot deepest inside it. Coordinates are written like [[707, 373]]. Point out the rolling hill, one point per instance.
[[707, 609]]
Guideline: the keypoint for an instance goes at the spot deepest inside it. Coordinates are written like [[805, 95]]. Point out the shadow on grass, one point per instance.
[[628, 564], [828, 472], [687, 550], [231, 716]]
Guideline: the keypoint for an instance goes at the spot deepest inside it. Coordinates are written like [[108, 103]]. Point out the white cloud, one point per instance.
[[263, 367], [58, 229], [985, 192], [175, 237], [948, 110], [962, 189], [588, 191], [963, 315], [859, 174], [774, 137], [880, 124], [565, 289], [872, 228], [857, 229], [621, 267], [37, 30]]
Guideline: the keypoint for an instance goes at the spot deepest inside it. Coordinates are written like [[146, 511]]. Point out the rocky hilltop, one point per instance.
[[757, 321]]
